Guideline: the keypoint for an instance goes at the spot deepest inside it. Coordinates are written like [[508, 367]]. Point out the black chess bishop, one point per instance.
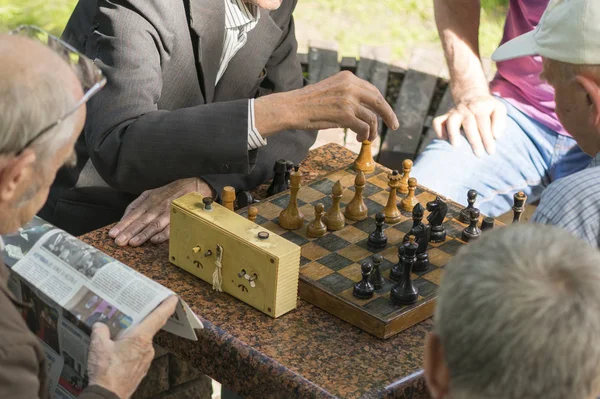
[[404, 292]]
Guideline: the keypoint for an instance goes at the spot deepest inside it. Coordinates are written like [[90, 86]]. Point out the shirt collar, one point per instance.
[[238, 14], [596, 161]]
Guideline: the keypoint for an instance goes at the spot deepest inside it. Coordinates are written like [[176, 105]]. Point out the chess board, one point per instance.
[[331, 265]]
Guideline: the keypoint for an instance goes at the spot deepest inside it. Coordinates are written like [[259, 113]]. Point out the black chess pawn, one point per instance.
[[289, 165], [422, 233], [377, 239], [487, 223], [472, 232], [278, 184], [364, 289], [464, 215], [376, 278], [404, 292], [396, 272], [437, 213], [519, 206]]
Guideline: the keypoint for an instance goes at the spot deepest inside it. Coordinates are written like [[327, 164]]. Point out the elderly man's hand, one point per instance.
[[148, 217], [120, 365], [342, 100], [482, 118]]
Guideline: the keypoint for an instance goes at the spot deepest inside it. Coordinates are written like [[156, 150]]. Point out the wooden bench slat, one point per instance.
[[411, 109], [322, 63], [445, 104], [348, 64]]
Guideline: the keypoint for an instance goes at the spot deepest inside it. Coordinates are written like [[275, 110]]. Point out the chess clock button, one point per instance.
[[207, 201], [263, 235]]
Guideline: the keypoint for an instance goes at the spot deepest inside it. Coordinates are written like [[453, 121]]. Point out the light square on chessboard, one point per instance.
[[380, 197], [313, 251], [347, 196], [380, 180], [394, 236], [353, 272], [345, 176], [308, 211], [438, 258], [365, 245], [390, 254], [354, 253], [310, 195], [315, 271], [424, 198], [269, 211], [351, 234], [274, 227], [434, 276]]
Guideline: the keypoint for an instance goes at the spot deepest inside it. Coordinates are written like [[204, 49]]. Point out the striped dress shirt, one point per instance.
[[573, 203], [240, 18]]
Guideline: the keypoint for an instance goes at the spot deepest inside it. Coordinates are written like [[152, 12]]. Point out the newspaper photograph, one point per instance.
[[66, 285]]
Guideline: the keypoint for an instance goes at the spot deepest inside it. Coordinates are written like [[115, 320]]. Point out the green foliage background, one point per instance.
[[399, 24]]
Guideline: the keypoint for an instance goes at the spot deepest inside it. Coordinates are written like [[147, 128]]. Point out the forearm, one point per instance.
[[97, 392], [458, 26]]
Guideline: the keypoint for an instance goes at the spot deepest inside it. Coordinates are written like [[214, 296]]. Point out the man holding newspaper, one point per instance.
[[43, 90]]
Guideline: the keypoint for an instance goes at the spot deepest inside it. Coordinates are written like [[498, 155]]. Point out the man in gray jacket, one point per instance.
[[201, 94]]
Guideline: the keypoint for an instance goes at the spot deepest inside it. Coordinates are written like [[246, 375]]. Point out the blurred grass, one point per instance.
[[398, 24]]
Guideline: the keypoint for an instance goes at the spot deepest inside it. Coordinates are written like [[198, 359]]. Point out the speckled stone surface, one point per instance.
[[306, 353]]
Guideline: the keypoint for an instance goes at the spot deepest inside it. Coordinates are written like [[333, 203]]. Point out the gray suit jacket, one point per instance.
[[160, 117]]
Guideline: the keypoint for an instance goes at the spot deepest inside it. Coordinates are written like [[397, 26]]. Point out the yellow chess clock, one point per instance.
[[235, 255]]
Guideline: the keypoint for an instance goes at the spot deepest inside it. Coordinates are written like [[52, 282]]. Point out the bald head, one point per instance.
[[37, 87]]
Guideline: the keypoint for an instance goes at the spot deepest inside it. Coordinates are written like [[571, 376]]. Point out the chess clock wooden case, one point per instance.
[[256, 265]]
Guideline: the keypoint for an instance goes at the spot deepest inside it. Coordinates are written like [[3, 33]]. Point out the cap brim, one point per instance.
[[520, 46]]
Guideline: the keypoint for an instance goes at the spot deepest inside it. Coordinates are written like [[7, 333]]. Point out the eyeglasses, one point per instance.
[[89, 75]]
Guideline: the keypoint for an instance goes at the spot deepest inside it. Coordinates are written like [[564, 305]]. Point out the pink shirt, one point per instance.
[[518, 81]]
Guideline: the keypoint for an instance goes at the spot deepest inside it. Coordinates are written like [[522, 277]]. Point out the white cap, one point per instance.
[[569, 31]]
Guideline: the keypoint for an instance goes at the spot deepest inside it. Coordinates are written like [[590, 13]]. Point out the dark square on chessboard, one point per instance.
[[284, 200], [295, 238], [336, 282], [335, 262], [365, 245], [385, 265], [369, 189], [331, 242], [325, 186], [451, 247]]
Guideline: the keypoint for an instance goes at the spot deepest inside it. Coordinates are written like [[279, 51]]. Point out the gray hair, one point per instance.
[[30, 104], [518, 316]]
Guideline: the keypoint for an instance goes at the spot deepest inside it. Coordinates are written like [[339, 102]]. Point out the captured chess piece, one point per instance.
[[422, 233], [465, 214], [407, 165], [391, 211], [317, 228], [404, 292], [487, 223], [472, 232], [409, 202], [278, 183], [289, 165], [437, 213], [377, 239], [291, 218], [364, 289], [376, 278], [228, 198], [334, 218], [519, 206], [364, 162], [252, 213], [357, 209]]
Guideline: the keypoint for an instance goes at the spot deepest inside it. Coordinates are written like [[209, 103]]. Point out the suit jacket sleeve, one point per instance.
[[132, 143], [284, 73]]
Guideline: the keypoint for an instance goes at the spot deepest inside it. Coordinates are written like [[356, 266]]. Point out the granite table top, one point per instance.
[[305, 353]]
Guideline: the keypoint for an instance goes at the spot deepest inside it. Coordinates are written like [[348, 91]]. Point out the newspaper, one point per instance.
[[66, 286]]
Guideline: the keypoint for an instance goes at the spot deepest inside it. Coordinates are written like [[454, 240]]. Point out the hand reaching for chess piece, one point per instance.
[[148, 217], [342, 100]]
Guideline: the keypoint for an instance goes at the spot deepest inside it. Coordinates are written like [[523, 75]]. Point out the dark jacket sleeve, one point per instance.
[[284, 73], [19, 372], [132, 143]]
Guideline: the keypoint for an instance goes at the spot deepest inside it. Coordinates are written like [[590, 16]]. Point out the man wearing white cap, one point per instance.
[[503, 136], [568, 40]]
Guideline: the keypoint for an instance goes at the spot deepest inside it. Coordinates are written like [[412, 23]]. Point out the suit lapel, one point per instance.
[[246, 66], [207, 19]]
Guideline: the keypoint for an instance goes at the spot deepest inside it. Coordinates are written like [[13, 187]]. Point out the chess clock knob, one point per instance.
[[207, 201]]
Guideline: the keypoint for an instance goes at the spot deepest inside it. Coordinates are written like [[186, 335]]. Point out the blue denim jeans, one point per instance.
[[529, 156]]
